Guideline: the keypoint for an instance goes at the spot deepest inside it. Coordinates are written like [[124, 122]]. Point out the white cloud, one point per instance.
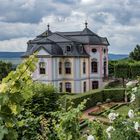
[[14, 45], [117, 20], [29, 4], [88, 1]]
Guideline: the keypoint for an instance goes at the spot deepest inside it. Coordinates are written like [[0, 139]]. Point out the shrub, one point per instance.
[[94, 97], [114, 84], [135, 69], [115, 95]]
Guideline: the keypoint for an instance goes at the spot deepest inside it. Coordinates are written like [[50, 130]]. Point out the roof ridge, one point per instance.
[[64, 36], [69, 38]]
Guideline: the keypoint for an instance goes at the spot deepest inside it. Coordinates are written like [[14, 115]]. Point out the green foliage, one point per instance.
[[44, 101], [135, 54], [124, 130], [15, 89], [96, 128], [114, 94], [114, 84], [5, 68], [122, 70], [111, 67], [28, 125], [138, 99], [92, 98], [37, 112], [135, 69], [68, 126], [97, 96]]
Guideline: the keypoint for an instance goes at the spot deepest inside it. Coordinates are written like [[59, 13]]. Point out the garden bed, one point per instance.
[[100, 109]]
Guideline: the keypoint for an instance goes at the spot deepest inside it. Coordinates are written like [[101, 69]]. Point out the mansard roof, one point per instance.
[[86, 37], [55, 43]]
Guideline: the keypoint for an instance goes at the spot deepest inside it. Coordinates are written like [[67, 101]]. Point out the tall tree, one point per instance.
[[135, 54], [122, 70]]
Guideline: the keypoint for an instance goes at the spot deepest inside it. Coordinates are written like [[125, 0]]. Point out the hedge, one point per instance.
[[115, 95], [135, 69], [98, 96], [92, 98]]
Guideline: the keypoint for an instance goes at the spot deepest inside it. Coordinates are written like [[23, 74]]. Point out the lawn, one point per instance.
[[123, 110]]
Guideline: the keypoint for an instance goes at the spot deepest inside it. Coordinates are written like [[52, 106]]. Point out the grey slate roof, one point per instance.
[[55, 43], [86, 37]]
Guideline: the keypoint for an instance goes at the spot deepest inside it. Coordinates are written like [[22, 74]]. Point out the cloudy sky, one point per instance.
[[118, 20]]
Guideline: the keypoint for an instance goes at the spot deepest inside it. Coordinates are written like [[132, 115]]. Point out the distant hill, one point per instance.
[[10, 54], [15, 57], [117, 56]]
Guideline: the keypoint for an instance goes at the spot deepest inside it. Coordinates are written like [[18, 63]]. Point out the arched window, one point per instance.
[[94, 66], [105, 68], [60, 67], [67, 67], [84, 67], [42, 69], [68, 87], [61, 87], [95, 84], [104, 50]]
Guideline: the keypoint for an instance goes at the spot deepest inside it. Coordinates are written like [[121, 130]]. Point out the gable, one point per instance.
[[42, 51]]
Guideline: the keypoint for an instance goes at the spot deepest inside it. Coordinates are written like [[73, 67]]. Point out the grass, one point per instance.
[[123, 110]]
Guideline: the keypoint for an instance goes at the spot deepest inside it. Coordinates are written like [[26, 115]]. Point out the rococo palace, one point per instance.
[[74, 62]]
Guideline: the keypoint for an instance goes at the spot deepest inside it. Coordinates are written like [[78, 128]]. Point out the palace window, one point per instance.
[[95, 84], [84, 67], [104, 51], [94, 66], [68, 87], [84, 86], [61, 87], [67, 67], [42, 69], [60, 67], [105, 67]]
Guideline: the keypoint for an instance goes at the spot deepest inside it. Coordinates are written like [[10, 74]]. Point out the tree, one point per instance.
[[15, 89], [111, 67], [135, 54], [38, 112], [68, 127], [5, 68], [122, 70]]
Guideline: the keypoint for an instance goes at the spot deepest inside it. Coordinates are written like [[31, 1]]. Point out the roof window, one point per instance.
[[68, 48], [94, 50]]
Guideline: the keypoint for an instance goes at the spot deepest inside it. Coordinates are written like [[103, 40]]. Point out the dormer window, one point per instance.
[[94, 50], [68, 48], [81, 48]]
